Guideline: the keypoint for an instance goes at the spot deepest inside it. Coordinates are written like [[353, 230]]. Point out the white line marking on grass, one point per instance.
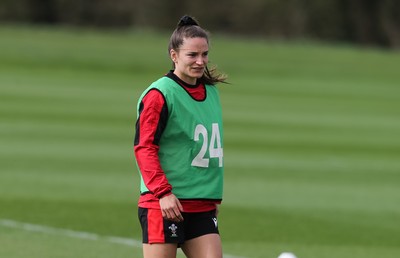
[[68, 232], [76, 234]]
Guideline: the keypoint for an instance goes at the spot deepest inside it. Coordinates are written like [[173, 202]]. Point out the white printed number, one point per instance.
[[215, 149]]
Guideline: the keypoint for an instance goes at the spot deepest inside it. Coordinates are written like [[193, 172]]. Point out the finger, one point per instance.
[[178, 215], [167, 214], [163, 213], [180, 218], [170, 215], [180, 207], [178, 210]]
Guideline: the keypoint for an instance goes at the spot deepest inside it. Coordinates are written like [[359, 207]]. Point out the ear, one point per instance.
[[174, 55]]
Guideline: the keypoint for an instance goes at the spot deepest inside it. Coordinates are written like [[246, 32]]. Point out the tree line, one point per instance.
[[364, 22]]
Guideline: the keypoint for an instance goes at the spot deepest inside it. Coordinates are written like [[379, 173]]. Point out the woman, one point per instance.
[[179, 152]]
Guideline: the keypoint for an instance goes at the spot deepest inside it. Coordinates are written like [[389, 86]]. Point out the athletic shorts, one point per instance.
[[156, 229]]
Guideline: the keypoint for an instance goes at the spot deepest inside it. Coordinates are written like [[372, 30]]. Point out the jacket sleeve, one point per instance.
[[153, 115]]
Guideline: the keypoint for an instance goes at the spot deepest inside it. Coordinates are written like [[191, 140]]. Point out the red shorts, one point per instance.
[[156, 229]]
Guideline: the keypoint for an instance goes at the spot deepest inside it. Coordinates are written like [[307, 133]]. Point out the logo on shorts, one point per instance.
[[215, 222], [173, 229]]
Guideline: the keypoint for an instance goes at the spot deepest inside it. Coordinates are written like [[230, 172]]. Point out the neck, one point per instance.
[[188, 80]]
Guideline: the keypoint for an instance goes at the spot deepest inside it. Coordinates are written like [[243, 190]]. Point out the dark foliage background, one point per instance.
[[364, 22]]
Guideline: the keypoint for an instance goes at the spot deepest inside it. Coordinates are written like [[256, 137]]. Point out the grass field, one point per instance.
[[312, 145]]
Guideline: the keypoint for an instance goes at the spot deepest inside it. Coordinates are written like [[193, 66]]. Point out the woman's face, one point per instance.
[[190, 59]]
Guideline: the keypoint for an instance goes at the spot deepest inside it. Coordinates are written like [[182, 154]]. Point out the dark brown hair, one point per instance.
[[188, 27]]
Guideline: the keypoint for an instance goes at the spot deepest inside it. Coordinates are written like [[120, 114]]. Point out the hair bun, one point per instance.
[[187, 21]]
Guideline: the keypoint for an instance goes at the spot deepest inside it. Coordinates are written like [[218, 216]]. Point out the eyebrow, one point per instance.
[[196, 52], [193, 50]]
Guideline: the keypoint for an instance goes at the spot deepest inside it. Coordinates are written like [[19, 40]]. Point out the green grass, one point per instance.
[[17, 243], [312, 143]]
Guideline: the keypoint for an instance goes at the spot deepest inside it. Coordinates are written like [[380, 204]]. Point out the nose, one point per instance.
[[201, 60]]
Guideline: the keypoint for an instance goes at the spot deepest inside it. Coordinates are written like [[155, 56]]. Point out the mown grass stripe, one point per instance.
[[77, 234]]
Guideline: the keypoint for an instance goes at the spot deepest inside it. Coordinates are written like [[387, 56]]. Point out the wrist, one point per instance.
[[165, 194]]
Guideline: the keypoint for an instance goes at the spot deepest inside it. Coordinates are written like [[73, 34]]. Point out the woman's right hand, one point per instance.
[[171, 208]]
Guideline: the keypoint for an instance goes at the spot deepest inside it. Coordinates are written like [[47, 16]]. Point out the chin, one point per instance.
[[197, 75]]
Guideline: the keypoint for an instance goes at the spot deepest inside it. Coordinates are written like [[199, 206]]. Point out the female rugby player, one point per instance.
[[179, 152]]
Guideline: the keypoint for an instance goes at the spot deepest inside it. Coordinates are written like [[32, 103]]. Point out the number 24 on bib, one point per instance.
[[214, 148]]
